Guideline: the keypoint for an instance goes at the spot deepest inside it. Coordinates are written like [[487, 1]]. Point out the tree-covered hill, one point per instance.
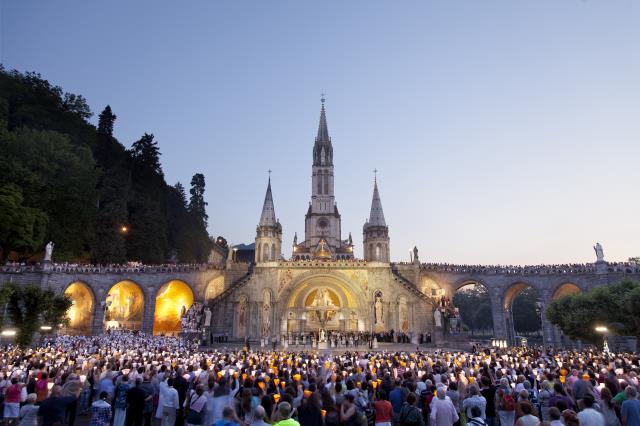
[[64, 180]]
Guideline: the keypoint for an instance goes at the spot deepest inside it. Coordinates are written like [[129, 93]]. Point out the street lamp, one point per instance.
[[604, 330]]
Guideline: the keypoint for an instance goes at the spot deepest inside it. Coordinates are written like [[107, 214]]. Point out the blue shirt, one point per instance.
[[395, 397], [631, 411]]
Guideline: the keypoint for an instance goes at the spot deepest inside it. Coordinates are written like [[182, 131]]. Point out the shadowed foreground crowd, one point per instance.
[[135, 379]]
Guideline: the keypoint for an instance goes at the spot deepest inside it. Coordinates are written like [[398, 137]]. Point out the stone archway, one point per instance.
[[325, 300], [565, 289], [124, 306], [512, 318], [472, 300], [554, 334], [173, 299], [80, 314]]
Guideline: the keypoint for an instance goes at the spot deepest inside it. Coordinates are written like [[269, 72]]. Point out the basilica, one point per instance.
[[253, 292], [322, 286]]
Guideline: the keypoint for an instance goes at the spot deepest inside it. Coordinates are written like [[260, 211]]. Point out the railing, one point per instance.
[[108, 269]]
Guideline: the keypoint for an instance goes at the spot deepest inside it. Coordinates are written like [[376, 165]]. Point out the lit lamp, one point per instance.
[[124, 229], [45, 328], [604, 330]]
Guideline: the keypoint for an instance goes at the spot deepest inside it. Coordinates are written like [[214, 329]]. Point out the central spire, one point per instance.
[[323, 130]]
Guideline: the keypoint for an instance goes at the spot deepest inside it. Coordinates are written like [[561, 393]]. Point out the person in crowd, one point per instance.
[[29, 411], [608, 408], [475, 399], [630, 408], [555, 417], [443, 413], [383, 409], [527, 418], [12, 397], [52, 410], [101, 411], [475, 417], [505, 403], [589, 416], [135, 404], [169, 402], [229, 418], [284, 411]]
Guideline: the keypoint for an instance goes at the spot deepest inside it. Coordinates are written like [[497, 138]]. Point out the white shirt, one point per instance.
[[169, 397], [590, 417]]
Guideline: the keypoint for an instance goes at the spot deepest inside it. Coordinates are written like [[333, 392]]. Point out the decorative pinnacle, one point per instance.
[[322, 99], [375, 175]]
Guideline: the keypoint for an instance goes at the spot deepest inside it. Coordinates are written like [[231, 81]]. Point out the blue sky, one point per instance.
[[504, 132]]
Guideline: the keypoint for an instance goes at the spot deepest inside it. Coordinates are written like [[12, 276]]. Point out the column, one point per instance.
[[149, 313], [499, 315]]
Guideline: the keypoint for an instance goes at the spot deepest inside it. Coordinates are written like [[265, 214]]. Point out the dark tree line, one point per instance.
[[62, 179]]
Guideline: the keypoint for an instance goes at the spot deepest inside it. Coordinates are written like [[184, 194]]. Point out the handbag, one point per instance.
[[194, 417]]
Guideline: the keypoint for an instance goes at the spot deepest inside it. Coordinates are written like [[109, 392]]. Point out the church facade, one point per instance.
[[258, 294], [322, 286]]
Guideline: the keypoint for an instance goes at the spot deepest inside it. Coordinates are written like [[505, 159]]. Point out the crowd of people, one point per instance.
[[191, 320], [123, 378], [569, 268], [130, 267]]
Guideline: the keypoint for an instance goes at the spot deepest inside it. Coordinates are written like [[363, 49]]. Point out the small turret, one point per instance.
[[268, 231], [375, 231]]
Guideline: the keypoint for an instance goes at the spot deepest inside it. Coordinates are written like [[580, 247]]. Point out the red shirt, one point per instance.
[[12, 394], [383, 411]]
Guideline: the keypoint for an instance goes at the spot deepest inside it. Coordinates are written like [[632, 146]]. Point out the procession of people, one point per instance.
[[126, 378]]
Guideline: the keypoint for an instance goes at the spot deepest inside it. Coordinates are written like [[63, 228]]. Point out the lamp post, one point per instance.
[[604, 330]]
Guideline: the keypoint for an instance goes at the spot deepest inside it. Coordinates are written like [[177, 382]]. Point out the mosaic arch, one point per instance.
[[325, 301], [214, 288], [80, 314], [172, 302], [124, 306]]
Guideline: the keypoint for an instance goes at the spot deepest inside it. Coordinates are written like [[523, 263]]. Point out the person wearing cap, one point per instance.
[[284, 411]]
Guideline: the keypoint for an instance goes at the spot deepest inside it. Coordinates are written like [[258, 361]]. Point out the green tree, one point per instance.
[[474, 305], [29, 307], [526, 318], [197, 205], [113, 190], [56, 177], [147, 237], [614, 306], [22, 228]]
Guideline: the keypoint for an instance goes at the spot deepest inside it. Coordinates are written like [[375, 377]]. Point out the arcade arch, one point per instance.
[[80, 314], [565, 289], [523, 307], [473, 303], [124, 306], [172, 302]]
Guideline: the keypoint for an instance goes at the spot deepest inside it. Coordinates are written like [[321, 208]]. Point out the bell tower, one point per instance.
[[375, 232], [268, 231]]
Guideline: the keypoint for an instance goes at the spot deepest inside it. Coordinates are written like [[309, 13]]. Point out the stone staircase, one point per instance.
[[409, 286], [222, 311]]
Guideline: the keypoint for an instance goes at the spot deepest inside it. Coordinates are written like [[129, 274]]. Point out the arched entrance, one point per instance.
[[556, 336], [473, 302], [124, 306], [80, 314], [523, 312], [326, 302], [172, 302]]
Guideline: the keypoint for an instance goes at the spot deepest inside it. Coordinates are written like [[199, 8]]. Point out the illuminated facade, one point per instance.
[[320, 286]]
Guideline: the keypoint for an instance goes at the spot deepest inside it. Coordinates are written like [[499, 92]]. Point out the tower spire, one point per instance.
[[376, 217], [268, 216], [323, 130]]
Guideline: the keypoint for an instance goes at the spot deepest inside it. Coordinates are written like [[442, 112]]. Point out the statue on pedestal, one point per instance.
[[599, 252], [48, 251], [437, 316]]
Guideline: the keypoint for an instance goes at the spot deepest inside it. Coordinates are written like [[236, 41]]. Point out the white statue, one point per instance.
[[322, 336], [207, 317], [378, 310], [48, 251], [437, 316], [599, 252]]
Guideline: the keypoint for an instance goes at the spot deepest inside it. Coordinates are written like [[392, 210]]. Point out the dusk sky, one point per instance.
[[504, 132]]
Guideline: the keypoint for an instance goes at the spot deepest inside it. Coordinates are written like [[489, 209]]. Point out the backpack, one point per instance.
[[409, 416], [507, 403]]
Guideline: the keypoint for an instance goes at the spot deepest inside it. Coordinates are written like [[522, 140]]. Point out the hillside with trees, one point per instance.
[[62, 179]]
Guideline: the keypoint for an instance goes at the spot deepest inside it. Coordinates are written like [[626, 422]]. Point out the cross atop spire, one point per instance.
[[323, 130], [376, 217], [268, 216]]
